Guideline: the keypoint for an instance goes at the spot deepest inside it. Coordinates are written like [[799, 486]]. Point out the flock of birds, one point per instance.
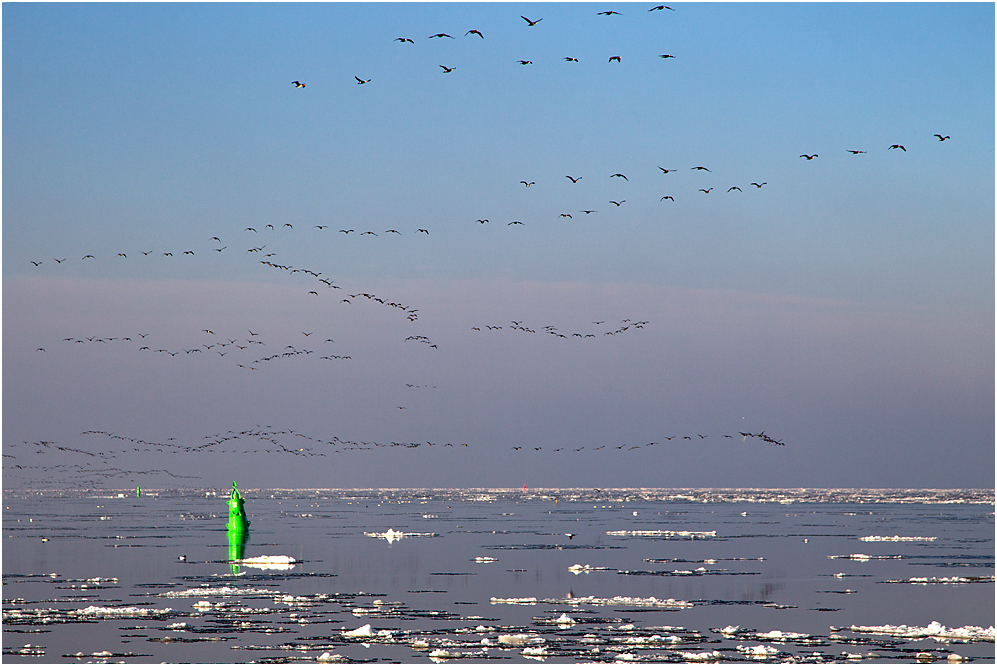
[[113, 449], [251, 351]]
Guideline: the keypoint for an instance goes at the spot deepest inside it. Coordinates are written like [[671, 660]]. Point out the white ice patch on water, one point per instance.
[[484, 560], [897, 538], [130, 611], [329, 658], [668, 534], [216, 592], [585, 568], [944, 580], [701, 656], [276, 562], [763, 651], [599, 601], [392, 535], [934, 630], [520, 639]]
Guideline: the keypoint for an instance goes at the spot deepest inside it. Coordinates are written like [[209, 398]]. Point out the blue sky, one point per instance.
[[846, 307]]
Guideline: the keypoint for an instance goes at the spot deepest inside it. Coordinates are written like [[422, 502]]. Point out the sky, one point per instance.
[[795, 314]]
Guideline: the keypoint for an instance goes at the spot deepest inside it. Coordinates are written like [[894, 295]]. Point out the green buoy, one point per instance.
[[237, 521]]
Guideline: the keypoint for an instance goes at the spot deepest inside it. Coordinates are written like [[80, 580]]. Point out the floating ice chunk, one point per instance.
[[420, 645], [359, 632], [130, 611], [780, 636], [328, 658], [701, 656], [585, 568], [897, 538], [944, 580], [277, 562], [535, 652], [526, 601], [177, 626], [520, 639], [485, 559], [934, 630], [564, 620], [391, 535], [730, 630], [668, 534], [757, 650]]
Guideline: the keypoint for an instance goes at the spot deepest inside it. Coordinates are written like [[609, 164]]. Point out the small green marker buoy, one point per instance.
[[138, 491], [237, 521], [238, 528]]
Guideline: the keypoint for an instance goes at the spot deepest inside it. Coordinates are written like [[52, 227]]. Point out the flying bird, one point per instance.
[[297, 84], [574, 180], [610, 13], [809, 157], [250, 229], [664, 170], [759, 185], [616, 58], [361, 81], [897, 145], [532, 23], [481, 221], [525, 62], [588, 212], [660, 7], [474, 32], [619, 203], [404, 39], [447, 70], [515, 222], [368, 232], [571, 59], [940, 138], [393, 231], [706, 191], [666, 55], [620, 175], [734, 188], [566, 215], [667, 197], [700, 168], [528, 184], [37, 263], [440, 34], [89, 256], [857, 152]]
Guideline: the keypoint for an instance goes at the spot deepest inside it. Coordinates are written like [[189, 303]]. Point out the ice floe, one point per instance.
[[652, 602], [485, 560], [666, 534], [943, 580], [392, 535], [936, 630], [897, 538], [585, 568], [275, 562]]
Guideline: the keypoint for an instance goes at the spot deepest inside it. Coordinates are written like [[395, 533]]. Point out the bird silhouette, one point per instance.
[[528, 184], [706, 191], [664, 170], [666, 55], [857, 152], [297, 84], [574, 180], [616, 58], [346, 231], [759, 185], [525, 62], [667, 197], [734, 188], [361, 81], [440, 34], [660, 7], [474, 32], [531, 23], [569, 59], [404, 39], [809, 157], [897, 145], [940, 137], [620, 175], [447, 70], [700, 168], [610, 13], [619, 203]]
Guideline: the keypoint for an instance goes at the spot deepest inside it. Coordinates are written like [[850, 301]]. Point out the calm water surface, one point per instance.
[[545, 575]]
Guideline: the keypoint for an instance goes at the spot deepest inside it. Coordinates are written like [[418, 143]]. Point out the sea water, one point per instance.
[[557, 575]]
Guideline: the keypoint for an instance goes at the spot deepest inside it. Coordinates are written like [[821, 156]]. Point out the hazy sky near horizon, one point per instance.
[[845, 308]]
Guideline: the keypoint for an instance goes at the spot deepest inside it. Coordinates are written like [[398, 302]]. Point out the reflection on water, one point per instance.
[[551, 575]]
